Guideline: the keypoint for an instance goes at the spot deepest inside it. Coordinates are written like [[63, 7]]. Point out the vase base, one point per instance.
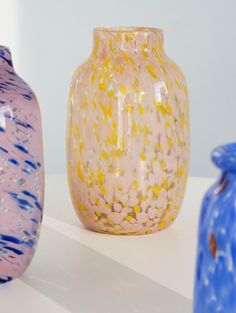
[[141, 232]]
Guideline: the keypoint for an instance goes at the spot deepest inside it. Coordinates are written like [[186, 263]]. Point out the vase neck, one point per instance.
[[224, 157], [136, 41], [5, 58]]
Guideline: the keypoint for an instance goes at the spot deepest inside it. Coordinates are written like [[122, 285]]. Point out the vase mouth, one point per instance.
[[128, 29], [127, 39], [224, 157]]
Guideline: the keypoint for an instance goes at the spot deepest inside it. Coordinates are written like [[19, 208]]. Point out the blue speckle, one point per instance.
[[3, 149], [11, 239], [16, 251], [27, 96], [37, 204], [34, 220], [21, 148], [14, 161], [23, 203], [26, 170], [31, 164], [4, 280], [29, 194]]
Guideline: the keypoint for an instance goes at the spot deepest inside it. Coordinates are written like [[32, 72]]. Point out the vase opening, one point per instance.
[[224, 157], [5, 57], [136, 39]]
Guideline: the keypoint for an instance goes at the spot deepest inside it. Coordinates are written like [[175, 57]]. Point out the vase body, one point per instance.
[[215, 281], [128, 134], [21, 171]]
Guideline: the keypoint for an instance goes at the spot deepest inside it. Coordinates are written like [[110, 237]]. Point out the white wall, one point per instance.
[[56, 35], [9, 35]]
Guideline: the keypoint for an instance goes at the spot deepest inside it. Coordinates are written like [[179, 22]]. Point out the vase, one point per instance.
[[127, 134], [21, 171], [215, 283]]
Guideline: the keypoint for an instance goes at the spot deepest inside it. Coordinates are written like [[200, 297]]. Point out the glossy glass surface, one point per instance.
[[21, 171], [128, 134], [215, 283]]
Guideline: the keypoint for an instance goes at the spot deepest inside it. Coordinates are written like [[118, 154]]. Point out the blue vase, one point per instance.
[[215, 281]]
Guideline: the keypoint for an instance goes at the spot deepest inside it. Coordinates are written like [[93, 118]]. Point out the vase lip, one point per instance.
[[224, 157], [128, 29]]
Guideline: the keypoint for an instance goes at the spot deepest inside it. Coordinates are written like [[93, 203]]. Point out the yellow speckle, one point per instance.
[[112, 139], [101, 176], [167, 124], [123, 89], [141, 108], [151, 71], [137, 209], [177, 83], [163, 166], [92, 78], [126, 57], [117, 153], [148, 232], [143, 197], [85, 100], [144, 54], [81, 206], [103, 190], [134, 128], [98, 214], [104, 155], [185, 90], [172, 218], [170, 143], [162, 224], [143, 156], [168, 109], [130, 108], [181, 120], [107, 63], [180, 171], [85, 120], [146, 130], [111, 93], [81, 146], [106, 110], [160, 107], [157, 190], [102, 86], [128, 37], [79, 172], [128, 218]]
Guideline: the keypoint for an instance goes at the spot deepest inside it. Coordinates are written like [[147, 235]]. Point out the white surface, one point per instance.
[[167, 258], [54, 37]]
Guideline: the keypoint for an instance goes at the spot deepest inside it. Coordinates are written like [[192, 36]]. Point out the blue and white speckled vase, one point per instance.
[[215, 282]]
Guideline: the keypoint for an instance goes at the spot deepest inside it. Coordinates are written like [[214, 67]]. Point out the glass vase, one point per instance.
[[128, 134], [215, 284]]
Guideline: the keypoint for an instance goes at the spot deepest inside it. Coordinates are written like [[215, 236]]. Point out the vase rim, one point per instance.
[[224, 157], [128, 29]]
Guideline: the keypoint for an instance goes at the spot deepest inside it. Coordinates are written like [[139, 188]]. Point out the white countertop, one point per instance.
[[75, 270]]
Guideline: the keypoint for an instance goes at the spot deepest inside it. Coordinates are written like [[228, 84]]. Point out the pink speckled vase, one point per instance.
[[128, 134], [21, 171]]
